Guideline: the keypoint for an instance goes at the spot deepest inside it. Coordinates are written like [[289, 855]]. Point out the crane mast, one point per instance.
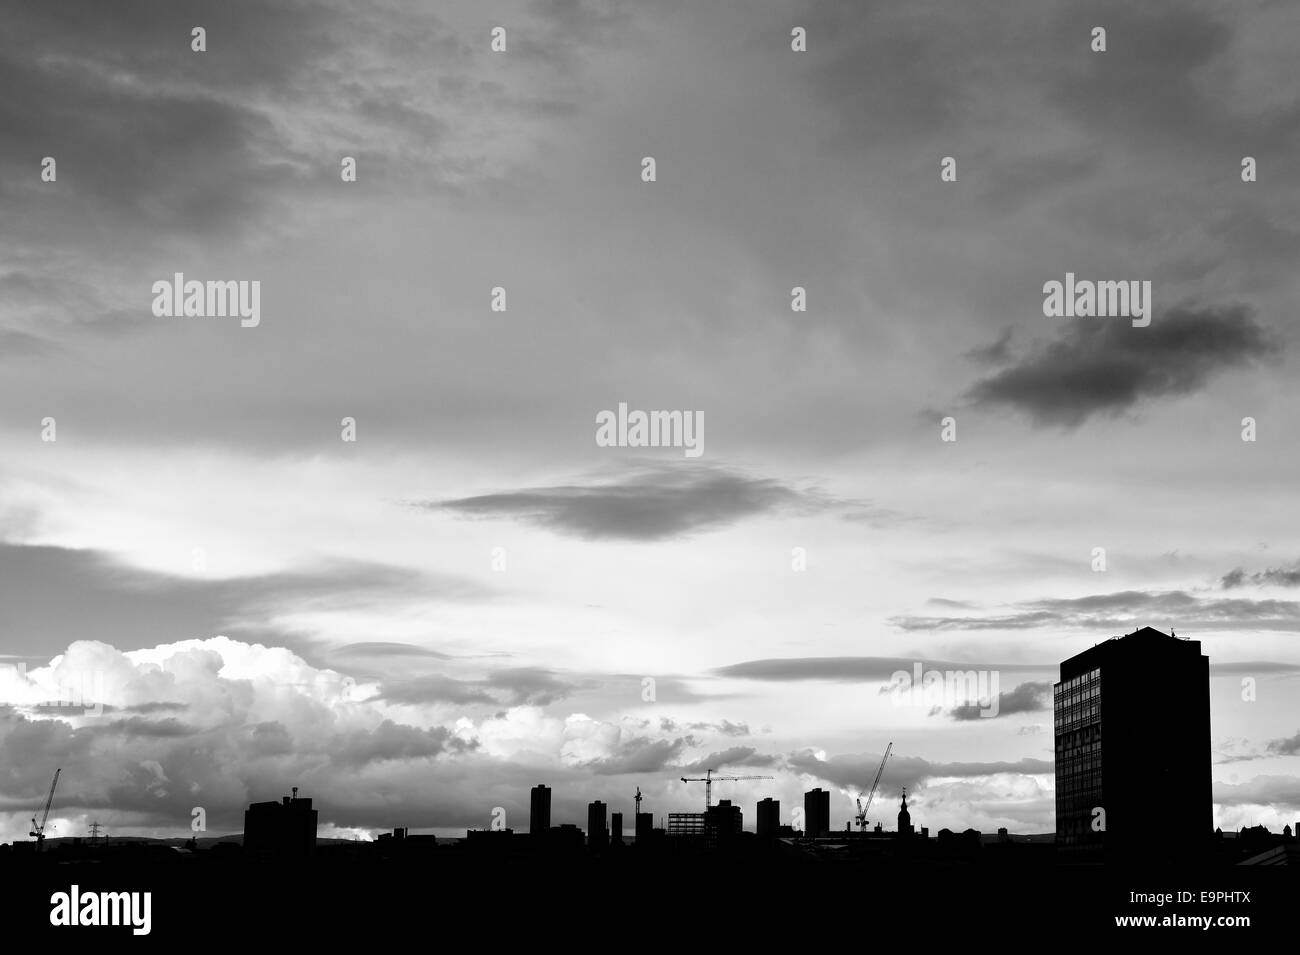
[[38, 829], [863, 810]]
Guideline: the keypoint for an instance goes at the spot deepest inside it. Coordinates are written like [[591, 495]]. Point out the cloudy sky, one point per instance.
[[471, 597]]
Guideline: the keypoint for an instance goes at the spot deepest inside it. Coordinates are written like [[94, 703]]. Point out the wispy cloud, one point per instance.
[[516, 686], [1121, 611], [134, 607], [852, 669], [651, 504]]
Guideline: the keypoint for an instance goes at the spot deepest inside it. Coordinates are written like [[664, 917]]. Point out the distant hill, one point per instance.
[[203, 842]]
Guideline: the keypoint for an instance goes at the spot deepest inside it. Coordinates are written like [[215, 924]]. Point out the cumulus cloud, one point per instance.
[[254, 721], [219, 723]]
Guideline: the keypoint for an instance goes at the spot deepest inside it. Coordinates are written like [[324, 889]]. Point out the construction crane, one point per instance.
[[38, 830], [862, 810], [709, 779]]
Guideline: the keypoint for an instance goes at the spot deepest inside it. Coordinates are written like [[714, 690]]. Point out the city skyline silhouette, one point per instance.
[[578, 464]]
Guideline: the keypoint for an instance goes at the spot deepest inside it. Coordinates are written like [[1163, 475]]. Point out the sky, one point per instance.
[[475, 596]]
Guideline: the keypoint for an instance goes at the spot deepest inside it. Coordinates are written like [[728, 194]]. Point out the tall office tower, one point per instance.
[[767, 819], [1132, 729], [539, 811], [597, 830], [616, 829], [817, 813]]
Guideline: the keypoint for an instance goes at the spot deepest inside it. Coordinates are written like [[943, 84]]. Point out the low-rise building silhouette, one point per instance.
[[282, 830], [723, 824]]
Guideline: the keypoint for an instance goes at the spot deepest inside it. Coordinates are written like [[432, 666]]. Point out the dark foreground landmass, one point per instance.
[[597, 903]]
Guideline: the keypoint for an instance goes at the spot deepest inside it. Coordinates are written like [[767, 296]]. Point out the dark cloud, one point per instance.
[[1233, 578], [1106, 367], [997, 352], [1159, 79], [271, 738], [174, 152], [156, 136], [533, 686], [155, 707], [146, 132], [1285, 747], [169, 728], [890, 64], [437, 689], [1026, 698], [381, 649], [726, 727], [728, 759], [654, 504], [1274, 576], [394, 741], [640, 754]]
